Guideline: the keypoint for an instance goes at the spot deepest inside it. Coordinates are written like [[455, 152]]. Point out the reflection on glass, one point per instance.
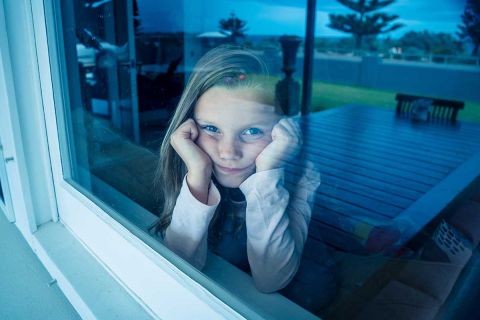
[[406, 51], [127, 70], [1, 193], [394, 132], [388, 154]]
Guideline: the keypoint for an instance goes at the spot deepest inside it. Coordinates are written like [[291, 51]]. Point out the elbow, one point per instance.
[[197, 263], [274, 280], [271, 285], [188, 251], [274, 273]]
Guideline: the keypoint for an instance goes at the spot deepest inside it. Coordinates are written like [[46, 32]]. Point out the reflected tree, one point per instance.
[[233, 27], [470, 27], [364, 22], [430, 43]]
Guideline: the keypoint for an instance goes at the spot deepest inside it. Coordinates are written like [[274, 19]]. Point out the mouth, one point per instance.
[[230, 170]]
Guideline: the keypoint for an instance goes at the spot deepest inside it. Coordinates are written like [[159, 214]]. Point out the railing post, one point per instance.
[[287, 90], [308, 57]]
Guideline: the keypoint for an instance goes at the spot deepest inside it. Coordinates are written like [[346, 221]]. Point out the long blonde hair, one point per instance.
[[227, 66]]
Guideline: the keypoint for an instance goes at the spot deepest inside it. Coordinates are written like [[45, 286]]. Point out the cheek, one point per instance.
[[252, 150], [206, 143]]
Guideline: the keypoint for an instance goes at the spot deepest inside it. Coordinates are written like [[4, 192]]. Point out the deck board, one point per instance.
[[378, 169]]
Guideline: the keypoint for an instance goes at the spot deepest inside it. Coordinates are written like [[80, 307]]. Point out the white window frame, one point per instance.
[[12, 145], [162, 283]]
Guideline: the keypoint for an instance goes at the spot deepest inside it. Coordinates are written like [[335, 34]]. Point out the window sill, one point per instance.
[[270, 306], [95, 293], [92, 291]]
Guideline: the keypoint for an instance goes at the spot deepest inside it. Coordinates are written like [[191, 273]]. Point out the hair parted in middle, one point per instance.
[[226, 66]]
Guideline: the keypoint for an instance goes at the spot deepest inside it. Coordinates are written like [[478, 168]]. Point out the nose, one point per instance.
[[229, 149]]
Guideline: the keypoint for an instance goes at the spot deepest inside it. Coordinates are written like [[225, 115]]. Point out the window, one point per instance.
[[393, 131]]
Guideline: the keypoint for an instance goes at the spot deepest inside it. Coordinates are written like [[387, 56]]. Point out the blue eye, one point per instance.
[[252, 132], [210, 129]]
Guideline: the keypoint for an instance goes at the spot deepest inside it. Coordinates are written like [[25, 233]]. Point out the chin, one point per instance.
[[230, 181]]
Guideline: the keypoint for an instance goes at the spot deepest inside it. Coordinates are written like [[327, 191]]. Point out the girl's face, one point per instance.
[[233, 129]]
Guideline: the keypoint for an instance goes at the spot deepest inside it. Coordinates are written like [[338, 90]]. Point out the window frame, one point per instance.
[[12, 144]]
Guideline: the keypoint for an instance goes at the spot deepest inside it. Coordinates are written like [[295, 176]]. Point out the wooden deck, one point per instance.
[[379, 170]]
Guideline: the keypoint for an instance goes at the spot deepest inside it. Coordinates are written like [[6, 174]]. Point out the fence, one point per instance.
[[459, 82]]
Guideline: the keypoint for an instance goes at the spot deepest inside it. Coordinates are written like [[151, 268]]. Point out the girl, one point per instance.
[[221, 173]]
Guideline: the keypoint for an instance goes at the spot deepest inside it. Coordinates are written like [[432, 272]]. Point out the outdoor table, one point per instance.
[[382, 170]]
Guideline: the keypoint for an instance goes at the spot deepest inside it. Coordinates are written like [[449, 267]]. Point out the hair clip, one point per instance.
[[228, 80]]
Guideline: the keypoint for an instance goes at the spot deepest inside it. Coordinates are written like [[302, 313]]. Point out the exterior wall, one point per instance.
[[455, 82]]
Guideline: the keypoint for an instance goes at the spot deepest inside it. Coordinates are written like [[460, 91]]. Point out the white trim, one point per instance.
[[25, 81], [88, 286], [19, 185]]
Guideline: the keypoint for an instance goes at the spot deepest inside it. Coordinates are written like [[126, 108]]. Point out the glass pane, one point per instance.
[[102, 109]]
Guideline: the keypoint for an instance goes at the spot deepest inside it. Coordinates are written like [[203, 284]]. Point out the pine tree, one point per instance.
[[361, 23], [470, 27], [233, 26]]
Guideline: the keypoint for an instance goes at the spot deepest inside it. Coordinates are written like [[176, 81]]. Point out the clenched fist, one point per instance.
[[198, 163], [286, 144]]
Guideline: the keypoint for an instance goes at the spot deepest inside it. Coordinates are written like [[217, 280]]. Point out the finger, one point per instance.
[[279, 131], [194, 131], [294, 128], [289, 125], [188, 130], [288, 130]]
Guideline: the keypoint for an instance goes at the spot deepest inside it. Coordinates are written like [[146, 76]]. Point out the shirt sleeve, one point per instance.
[[277, 225], [187, 233]]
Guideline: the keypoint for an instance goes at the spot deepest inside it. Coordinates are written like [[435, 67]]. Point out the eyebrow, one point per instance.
[[206, 121], [198, 119], [258, 124]]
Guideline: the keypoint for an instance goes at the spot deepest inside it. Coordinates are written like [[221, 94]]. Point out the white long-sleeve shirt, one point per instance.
[[276, 225]]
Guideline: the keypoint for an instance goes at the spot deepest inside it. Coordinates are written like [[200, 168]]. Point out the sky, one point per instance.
[[278, 17]]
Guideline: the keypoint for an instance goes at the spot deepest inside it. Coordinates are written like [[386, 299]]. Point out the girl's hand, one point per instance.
[[286, 144], [198, 163]]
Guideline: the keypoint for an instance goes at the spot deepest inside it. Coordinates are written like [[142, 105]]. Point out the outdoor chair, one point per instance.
[[428, 109]]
